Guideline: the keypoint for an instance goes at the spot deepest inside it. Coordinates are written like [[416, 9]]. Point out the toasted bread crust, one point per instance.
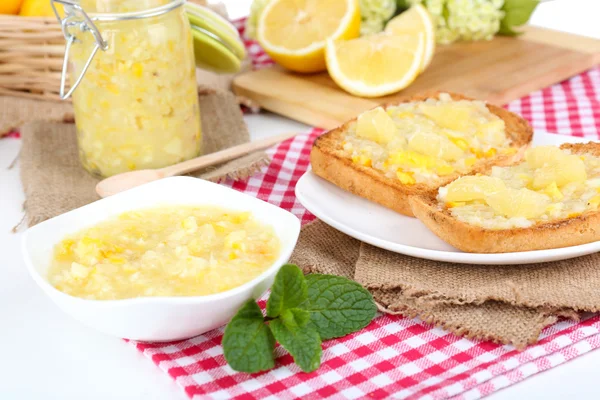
[[582, 229], [330, 162]]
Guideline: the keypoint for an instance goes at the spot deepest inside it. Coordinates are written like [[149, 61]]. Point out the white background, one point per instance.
[[44, 354]]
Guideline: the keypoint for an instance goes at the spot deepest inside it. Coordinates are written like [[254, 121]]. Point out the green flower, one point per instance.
[[464, 19], [374, 14]]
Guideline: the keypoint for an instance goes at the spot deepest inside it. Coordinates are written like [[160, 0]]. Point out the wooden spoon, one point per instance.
[[127, 180]]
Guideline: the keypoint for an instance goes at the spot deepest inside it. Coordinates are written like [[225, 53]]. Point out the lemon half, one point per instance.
[[415, 20], [375, 65], [294, 32]]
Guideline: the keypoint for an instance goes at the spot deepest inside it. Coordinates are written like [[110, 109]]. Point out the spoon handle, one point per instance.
[[223, 155]]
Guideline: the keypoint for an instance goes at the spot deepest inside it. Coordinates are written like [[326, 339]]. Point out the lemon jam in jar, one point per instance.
[[164, 251], [136, 105]]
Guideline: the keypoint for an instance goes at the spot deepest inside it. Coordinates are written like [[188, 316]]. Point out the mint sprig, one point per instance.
[[516, 13], [301, 312]]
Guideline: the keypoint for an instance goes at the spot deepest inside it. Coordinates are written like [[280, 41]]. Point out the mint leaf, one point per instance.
[[248, 343], [337, 306], [516, 13], [294, 318], [304, 344], [288, 291]]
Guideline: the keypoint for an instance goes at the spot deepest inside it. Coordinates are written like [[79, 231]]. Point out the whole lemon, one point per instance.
[[36, 8], [10, 6]]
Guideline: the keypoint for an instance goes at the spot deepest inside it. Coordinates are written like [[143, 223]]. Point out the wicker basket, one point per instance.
[[31, 56]]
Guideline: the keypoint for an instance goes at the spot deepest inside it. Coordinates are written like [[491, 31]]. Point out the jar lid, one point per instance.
[[119, 10]]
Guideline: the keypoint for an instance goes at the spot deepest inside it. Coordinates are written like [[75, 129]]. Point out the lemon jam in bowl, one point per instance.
[[193, 292], [166, 251]]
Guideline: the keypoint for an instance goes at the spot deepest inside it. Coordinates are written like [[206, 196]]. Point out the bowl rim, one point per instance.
[[284, 255]]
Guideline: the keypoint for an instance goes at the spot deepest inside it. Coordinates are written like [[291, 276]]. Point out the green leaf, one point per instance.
[[508, 31], [304, 344], [337, 306], [288, 291], [294, 318], [248, 343], [402, 5], [516, 13], [446, 11]]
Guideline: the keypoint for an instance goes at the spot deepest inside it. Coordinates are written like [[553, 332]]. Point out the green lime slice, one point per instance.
[[212, 54], [233, 42], [211, 16]]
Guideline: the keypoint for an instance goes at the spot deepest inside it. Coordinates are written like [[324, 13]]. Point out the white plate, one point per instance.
[[381, 227]]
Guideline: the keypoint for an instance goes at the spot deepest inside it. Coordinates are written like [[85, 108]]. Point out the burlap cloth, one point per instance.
[[54, 181], [506, 304]]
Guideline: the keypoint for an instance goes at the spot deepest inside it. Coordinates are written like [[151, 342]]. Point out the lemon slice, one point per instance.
[[294, 32], [375, 65], [213, 55], [233, 42], [211, 16], [413, 21]]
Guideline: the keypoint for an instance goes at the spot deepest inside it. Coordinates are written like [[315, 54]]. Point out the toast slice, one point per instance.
[[544, 233], [330, 161]]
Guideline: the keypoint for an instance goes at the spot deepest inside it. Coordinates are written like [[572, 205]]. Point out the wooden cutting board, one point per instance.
[[498, 71]]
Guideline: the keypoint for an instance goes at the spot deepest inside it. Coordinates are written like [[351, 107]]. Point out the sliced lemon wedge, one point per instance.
[[294, 32], [413, 21], [375, 65]]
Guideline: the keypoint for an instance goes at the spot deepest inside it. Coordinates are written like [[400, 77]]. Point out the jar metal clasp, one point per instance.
[[76, 18]]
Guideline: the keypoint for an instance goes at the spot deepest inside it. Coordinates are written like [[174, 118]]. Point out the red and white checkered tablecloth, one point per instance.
[[394, 356]]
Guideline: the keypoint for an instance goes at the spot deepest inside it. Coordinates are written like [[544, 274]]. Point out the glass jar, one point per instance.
[[133, 81]]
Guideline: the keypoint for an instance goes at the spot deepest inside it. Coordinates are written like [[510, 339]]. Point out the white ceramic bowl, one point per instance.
[[157, 318]]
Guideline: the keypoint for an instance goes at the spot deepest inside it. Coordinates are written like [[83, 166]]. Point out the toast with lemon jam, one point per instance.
[[391, 153], [549, 200]]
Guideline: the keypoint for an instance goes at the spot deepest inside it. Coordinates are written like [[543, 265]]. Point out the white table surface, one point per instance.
[[47, 355]]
